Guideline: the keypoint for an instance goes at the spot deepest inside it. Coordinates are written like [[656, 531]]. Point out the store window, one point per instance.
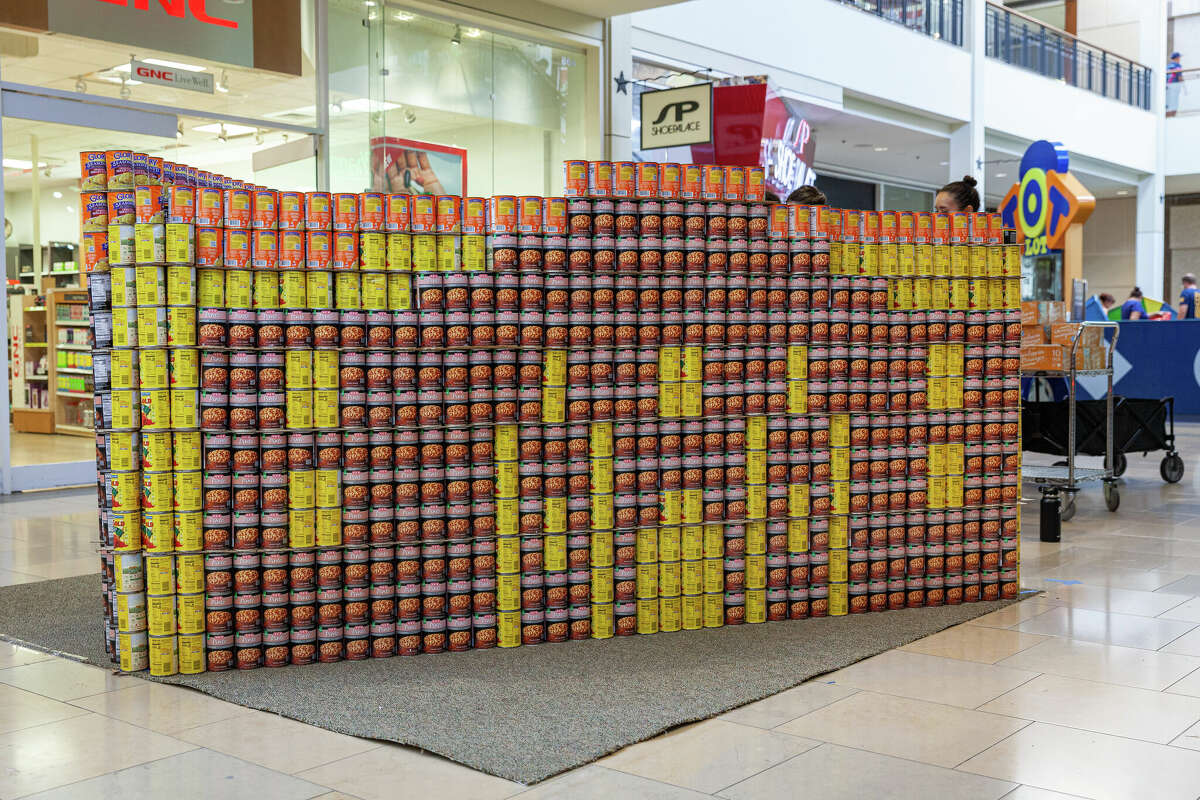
[[904, 198], [460, 109]]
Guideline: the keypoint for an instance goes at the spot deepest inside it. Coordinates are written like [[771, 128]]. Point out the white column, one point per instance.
[[1151, 227], [618, 62], [966, 141], [5, 469]]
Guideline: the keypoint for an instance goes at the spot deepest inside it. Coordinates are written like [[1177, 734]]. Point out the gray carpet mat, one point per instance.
[[523, 714]]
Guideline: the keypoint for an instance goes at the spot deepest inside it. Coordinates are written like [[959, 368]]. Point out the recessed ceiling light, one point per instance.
[[57, 195], [945, 163], [1122, 191], [402, 16], [880, 149], [1001, 174], [474, 33]]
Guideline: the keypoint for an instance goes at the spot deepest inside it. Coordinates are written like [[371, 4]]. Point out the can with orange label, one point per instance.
[[291, 211], [959, 228], [624, 180], [995, 233], [265, 249], [370, 211], [600, 178], [691, 181], [396, 218], [713, 182], [669, 174], [922, 227], [502, 214], [148, 204], [209, 210], [977, 227], [575, 178], [756, 184], [940, 230], [237, 207], [118, 166], [735, 183], [95, 251], [554, 215], [237, 248], [318, 249], [181, 204], [423, 213], [210, 247], [345, 250], [870, 227], [887, 226], [529, 214], [121, 207], [447, 216], [265, 214], [318, 215], [474, 214], [345, 211], [291, 249], [646, 183], [905, 227]]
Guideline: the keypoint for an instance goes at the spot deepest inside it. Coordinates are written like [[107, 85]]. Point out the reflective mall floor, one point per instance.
[[1089, 690]]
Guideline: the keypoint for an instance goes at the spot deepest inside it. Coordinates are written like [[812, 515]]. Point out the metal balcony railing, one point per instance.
[[940, 19], [1028, 43]]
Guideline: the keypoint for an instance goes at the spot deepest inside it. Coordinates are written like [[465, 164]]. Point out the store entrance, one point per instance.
[[50, 440]]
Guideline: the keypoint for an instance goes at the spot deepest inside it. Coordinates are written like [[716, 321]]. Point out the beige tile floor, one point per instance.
[[1089, 690]]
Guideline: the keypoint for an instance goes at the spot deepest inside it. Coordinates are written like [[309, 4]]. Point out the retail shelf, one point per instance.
[[35, 308], [37, 377], [73, 322], [73, 370], [82, 347], [79, 395], [36, 344]]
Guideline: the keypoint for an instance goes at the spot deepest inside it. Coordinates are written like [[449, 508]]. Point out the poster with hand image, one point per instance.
[[407, 166]]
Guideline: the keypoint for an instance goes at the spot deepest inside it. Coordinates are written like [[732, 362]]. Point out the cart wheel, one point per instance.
[[1171, 468], [1112, 497], [1067, 509], [1120, 463]]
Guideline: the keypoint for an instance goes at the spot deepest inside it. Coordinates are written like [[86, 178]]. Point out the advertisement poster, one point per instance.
[[406, 166]]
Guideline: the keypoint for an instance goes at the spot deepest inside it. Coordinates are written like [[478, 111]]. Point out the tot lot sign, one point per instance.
[[676, 117]]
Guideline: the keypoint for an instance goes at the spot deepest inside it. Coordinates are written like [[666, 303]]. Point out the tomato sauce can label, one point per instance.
[[575, 178], [318, 249], [126, 530], [396, 215], [181, 204], [712, 182], [209, 206], [93, 171], [118, 166], [370, 211], [345, 250], [265, 251], [158, 537], [345, 211], [266, 209], [148, 204], [600, 178], [291, 249], [291, 211], [624, 178], [317, 211], [237, 205], [502, 214], [237, 248], [423, 214], [210, 247]]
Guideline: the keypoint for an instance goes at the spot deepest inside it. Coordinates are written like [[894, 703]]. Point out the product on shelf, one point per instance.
[[349, 426]]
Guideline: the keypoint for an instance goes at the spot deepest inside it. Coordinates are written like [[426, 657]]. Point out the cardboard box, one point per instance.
[[1032, 334], [1089, 337], [1029, 313], [1042, 357], [1055, 311]]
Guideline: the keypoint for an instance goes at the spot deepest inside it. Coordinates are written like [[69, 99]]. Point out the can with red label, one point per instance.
[[345, 211], [423, 214], [291, 211], [318, 215], [396, 213], [575, 178], [474, 215], [370, 211], [318, 249], [529, 214], [265, 214], [237, 248], [236, 208], [624, 178], [600, 178], [448, 213]]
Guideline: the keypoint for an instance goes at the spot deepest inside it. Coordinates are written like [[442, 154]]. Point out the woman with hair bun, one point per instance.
[[958, 196]]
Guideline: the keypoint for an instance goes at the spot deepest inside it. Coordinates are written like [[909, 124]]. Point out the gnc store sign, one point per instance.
[[210, 29]]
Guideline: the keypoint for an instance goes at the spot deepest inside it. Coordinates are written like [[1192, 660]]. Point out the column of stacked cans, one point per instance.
[[145, 370]]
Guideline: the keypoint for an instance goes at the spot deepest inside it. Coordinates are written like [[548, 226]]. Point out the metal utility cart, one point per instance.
[[1059, 483]]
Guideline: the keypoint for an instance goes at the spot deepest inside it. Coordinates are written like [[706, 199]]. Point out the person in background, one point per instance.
[[808, 196], [1174, 83], [770, 196], [958, 196], [1133, 307], [1187, 298], [1107, 301]]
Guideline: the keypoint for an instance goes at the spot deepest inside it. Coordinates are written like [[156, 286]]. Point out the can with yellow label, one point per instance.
[[191, 654], [163, 655]]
